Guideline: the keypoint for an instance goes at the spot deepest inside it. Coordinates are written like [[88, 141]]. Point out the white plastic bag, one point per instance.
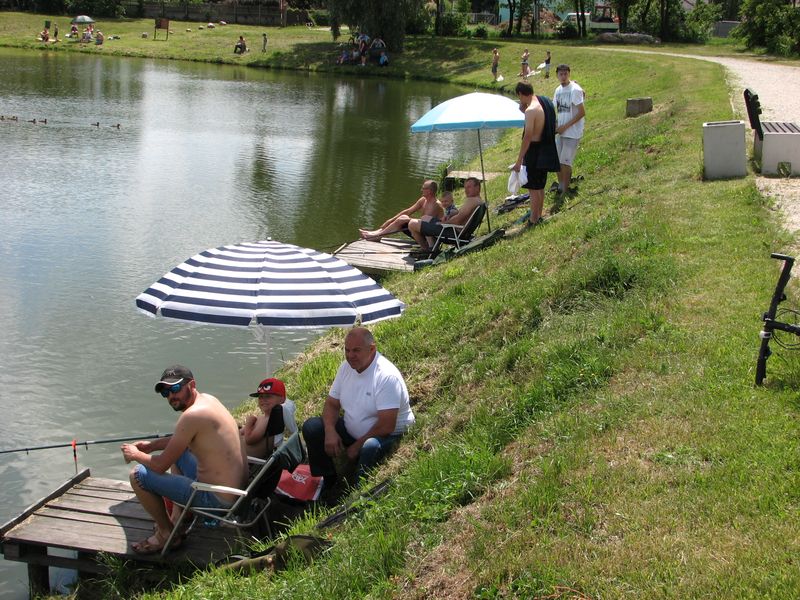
[[517, 180]]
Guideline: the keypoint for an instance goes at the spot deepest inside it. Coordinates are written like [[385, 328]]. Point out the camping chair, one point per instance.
[[458, 235], [252, 503]]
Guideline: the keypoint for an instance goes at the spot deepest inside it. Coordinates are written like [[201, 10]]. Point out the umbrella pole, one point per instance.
[[269, 345], [483, 175]]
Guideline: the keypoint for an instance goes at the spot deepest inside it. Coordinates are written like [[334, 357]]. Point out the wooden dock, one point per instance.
[[92, 515], [458, 177], [378, 258]]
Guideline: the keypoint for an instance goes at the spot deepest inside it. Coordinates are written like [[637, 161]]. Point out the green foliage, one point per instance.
[[384, 19], [481, 32], [419, 22], [566, 30], [321, 18], [97, 8], [770, 24], [700, 21], [453, 25]]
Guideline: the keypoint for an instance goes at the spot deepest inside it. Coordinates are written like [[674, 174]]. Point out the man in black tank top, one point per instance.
[[538, 148]]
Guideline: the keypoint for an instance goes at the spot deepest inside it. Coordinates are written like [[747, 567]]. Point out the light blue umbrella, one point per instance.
[[477, 110]]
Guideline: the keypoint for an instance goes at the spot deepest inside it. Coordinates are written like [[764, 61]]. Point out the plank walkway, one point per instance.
[[378, 258], [93, 515]]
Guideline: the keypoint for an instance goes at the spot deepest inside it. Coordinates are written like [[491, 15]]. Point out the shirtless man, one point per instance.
[[427, 204], [205, 446], [538, 149], [420, 229]]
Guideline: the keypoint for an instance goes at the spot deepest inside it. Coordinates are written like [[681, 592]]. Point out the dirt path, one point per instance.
[[778, 89]]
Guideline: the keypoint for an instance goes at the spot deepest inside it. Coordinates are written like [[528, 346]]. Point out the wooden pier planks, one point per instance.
[[92, 515], [389, 254]]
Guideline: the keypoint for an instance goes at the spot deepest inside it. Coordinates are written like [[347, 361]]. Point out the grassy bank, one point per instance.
[[587, 423]]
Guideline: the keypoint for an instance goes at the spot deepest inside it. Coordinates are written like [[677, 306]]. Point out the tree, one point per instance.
[[512, 9], [375, 17], [771, 24]]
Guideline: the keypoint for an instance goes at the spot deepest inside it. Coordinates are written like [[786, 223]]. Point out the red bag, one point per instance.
[[300, 485]]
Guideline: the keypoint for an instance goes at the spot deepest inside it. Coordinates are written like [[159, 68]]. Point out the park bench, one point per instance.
[[776, 144]]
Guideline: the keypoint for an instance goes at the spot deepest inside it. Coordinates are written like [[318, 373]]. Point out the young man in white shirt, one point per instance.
[[568, 99]]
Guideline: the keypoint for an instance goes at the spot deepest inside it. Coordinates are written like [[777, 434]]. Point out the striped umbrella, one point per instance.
[[270, 284]]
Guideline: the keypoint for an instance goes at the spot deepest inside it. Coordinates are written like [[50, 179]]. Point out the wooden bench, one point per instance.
[[774, 142]]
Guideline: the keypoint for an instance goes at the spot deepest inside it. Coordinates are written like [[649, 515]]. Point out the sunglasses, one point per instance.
[[173, 389]]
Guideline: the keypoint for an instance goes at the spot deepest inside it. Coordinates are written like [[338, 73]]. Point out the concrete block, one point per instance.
[[724, 154], [638, 106]]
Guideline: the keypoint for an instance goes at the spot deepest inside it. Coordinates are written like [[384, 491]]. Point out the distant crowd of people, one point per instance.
[[360, 49]]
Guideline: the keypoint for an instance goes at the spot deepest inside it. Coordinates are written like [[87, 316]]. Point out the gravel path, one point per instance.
[[778, 89]]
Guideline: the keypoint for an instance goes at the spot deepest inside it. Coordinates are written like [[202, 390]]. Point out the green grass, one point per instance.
[[587, 424]]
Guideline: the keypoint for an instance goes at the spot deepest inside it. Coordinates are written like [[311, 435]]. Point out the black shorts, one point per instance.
[[431, 228], [537, 179]]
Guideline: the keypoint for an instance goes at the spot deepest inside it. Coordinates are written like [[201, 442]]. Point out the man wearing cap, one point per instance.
[[377, 412], [205, 446], [259, 432]]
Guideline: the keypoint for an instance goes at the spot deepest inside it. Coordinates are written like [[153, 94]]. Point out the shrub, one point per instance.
[[419, 23], [566, 30], [453, 25], [320, 17], [481, 32]]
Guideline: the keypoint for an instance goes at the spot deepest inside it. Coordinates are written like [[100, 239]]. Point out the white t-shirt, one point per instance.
[[567, 98], [379, 387]]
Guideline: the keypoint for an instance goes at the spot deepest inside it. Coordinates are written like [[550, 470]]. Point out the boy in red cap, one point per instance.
[[259, 431]]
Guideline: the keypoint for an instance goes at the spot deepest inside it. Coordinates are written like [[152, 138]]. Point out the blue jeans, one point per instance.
[[374, 450], [178, 487]]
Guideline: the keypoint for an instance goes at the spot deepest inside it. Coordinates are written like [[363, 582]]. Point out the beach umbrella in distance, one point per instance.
[[82, 20], [475, 111], [268, 284]]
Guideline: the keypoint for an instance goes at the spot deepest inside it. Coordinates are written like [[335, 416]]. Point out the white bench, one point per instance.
[[774, 142]]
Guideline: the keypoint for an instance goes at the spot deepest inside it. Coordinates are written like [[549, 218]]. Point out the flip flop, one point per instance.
[[147, 546]]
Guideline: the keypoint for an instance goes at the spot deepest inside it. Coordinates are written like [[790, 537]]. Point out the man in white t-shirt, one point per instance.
[[568, 99], [373, 395]]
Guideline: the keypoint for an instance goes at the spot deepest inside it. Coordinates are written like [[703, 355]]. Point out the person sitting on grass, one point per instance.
[[372, 393], [427, 204], [99, 38], [45, 35], [383, 60], [240, 47]]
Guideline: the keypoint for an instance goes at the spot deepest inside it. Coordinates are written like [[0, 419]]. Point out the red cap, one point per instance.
[[270, 386]]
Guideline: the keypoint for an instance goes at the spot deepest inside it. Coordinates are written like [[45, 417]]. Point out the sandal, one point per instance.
[[149, 546]]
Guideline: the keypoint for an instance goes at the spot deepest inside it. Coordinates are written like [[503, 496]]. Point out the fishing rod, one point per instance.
[[74, 444]]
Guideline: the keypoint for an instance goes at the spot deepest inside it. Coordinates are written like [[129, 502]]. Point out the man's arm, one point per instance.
[[578, 116], [408, 211], [530, 135], [330, 414], [385, 425], [173, 447]]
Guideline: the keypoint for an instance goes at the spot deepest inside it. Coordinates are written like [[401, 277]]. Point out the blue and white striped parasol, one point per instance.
[[271, 284]]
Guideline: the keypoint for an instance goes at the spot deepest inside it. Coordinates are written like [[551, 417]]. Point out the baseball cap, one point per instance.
[[270, 386], [172, 375]]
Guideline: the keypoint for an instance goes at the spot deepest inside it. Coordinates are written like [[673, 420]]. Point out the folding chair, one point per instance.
[[457, 235], [252, 503]]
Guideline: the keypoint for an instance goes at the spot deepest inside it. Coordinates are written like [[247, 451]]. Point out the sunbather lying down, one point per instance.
[[427, 204]]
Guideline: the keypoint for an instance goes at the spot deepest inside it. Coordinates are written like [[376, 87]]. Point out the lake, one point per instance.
[[141, 164]]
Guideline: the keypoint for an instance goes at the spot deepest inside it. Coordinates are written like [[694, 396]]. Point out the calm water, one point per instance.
[[92, 214]]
